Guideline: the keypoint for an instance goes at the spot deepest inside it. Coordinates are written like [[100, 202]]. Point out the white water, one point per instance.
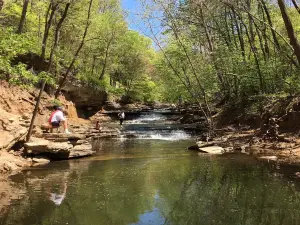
[[154, 126], [167, 136], [148, 118], [173, 136]]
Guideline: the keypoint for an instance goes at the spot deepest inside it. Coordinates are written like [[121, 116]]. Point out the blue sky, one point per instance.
[[135, 22], [132, 7]]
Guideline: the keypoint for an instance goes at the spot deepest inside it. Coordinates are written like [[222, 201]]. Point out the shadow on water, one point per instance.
[[151, 181]]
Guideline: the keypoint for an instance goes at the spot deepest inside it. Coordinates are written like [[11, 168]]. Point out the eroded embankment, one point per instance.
[[16, 107]]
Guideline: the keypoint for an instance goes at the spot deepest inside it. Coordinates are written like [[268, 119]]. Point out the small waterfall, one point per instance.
[[149, 118], [154, 126], [171, 136]]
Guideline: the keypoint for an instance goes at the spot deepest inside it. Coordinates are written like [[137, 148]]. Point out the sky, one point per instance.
[[134, 8]]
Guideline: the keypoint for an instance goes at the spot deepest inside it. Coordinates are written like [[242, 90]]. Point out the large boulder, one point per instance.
[[111, 105], [10, 162], [60, 146], [12, 128], [82, 94]]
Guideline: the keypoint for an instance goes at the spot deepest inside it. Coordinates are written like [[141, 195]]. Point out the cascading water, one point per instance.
[[156, 126], [175, 135], [149, 118]]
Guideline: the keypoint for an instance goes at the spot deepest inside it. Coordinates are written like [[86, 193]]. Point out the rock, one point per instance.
[[110, 105], [53, 136], [10, 129], [193, 147], [130, 107], [202, 144], [81, 150], [9, 162], [212, 150], [82, 94], [130, 136], [268, 158], [58, 149], [26, 117], [229, 150], [40, 160], [36, 145]]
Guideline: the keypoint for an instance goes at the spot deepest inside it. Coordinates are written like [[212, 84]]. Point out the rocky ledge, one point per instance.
[[58, 146]]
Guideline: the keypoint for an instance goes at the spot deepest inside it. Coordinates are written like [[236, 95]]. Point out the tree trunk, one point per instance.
[[290, 29], [63, 80], [57, 30], [239, 33], [35, 111], [270, 23], [105, 59], [48, 23], [296, 5], [23, 16]]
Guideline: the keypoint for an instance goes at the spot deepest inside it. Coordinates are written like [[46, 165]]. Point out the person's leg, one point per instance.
[[66, 126]]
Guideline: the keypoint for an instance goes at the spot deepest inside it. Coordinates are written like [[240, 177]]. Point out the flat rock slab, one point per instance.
[[59, 150], [81, 151], [37, 145], [40, 160], [216, 150], [268, 158], [61, 136]]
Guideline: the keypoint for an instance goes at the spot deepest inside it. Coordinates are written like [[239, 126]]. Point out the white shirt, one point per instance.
[[122, 115], [58, 117], [57, 198]]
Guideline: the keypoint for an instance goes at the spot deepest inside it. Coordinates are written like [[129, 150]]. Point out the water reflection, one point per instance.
[[159, 184]]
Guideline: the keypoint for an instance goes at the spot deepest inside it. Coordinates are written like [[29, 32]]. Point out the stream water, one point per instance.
[[153, 179]]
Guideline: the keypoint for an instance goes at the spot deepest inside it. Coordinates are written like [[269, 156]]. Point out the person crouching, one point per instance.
[[57, 118]]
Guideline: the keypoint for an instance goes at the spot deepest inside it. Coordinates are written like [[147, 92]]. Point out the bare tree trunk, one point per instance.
[[270, 23], [105, 59], [35, 111], [23, 16], [290, 29], [48, 23], [63, 80], [240, 36], [57, 30], [296, 5]]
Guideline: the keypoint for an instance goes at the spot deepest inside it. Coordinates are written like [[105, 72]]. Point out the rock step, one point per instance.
[[72, 148], [63, 136]]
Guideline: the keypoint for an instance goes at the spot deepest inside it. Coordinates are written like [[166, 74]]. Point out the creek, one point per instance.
[[153, 179]]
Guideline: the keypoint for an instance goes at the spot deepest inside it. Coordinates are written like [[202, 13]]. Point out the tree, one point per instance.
[[69, 69], [290, 29], [23, 16]]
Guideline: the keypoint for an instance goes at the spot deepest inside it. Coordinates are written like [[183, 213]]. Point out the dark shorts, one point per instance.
[[55, 124]]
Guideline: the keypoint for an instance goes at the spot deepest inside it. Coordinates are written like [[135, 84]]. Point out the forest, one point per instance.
[[204, 52]]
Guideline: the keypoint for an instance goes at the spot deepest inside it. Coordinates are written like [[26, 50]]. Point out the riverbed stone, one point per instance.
[[81, 150], [40, 160], [268, 158], [216, 150]]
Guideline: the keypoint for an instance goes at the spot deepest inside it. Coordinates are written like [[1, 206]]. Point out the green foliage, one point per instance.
[[56, 102], [113, 58]]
